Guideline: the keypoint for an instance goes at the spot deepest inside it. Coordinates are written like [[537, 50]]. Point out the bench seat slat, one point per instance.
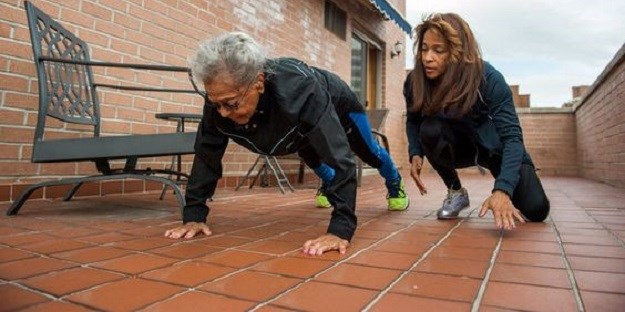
[[113, 147]]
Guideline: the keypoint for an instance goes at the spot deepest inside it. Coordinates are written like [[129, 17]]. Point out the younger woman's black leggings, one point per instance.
[[450, 144]]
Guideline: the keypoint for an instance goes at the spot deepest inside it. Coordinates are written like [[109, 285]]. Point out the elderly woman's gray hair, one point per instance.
[[236, 53]]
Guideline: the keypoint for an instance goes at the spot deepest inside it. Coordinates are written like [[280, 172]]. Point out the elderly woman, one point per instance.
[[278, 107], [460, 114]]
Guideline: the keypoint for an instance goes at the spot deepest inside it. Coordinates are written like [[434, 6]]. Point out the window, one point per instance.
[[335, 19], [359, 66], [365, 70]]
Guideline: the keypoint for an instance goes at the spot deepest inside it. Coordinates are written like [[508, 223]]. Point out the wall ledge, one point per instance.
[[544, 110], [618, 58]]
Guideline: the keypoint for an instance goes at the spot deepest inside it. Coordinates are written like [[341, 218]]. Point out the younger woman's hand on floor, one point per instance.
[[415, 172], [504, 211], [327, 242], [189, 230]]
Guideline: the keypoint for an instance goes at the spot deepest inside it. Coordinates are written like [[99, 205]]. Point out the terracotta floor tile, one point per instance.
[[584, 232], [412, 248], [271, 246], [74, 232], [478, 254], [106, 238], [250, 285], [400, 302], [143, 244], [225, 241], [92, 254], [30, 267], [273, 308], [606, 240], [14, 298], [470, 242], [594, 251], [189, 274], [487, 308], [597, 264], [11, 254], [235, 258], [462, 268], [600, 281], [295, 267], [54, 245], [9, 230], [297, 237], [386, 260], [124, 295], [200, 301], [60, 283], [373, 234], [438, 286], [604, 302], [21, 239], [530, 259], [315, 296], [530, 246], [135, 264], [520, 235], [185, 250], [530, 275], [359, 276], [56, 306], [528, 297]]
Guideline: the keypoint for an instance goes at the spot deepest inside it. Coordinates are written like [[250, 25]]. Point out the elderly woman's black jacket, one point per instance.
[[298, 108]]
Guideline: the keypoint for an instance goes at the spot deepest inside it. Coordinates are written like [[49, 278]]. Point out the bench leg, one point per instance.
[[72, 192], [17, 204]]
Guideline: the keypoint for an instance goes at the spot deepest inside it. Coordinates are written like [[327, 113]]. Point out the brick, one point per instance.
[[97, 11], [76, 18], [110, 28], [12, 14], [11, 117], [124, 46], [93, 38], [9, 151], [26, 67], [16, 135], [5, 30]]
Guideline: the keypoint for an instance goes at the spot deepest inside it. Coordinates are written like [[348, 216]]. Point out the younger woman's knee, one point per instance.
[[538, 211]]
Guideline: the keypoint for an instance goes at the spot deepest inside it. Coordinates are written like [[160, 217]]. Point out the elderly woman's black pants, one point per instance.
[[450, 144]]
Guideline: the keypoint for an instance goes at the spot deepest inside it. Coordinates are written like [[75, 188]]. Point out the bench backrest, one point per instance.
[[66, 90]]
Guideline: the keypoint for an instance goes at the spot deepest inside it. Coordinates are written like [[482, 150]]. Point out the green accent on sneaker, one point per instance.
[[321, 201], [401, 201]]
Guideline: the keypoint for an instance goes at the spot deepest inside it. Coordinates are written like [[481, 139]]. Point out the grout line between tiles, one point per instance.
[[414, 265], [569, 271], [269, 301], [618, 239], [475, 307]]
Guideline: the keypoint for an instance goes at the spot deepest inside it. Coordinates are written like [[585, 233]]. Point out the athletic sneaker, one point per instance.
[[321, 200], [396, 197], [456, 201]]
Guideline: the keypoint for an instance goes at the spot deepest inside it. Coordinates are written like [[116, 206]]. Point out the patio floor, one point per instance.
[[109, 253]]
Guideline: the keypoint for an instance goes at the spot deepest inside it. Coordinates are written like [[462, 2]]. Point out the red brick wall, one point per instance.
[[167, 32], [550, 139], [600, 119]]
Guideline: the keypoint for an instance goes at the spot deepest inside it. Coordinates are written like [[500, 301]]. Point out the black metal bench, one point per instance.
[[67, 92]]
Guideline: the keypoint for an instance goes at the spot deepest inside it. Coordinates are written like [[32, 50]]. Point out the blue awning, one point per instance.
[[391, 14]]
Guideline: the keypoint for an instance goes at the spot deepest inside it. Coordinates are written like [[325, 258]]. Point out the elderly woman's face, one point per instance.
[[235, 102], [434, 53]]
